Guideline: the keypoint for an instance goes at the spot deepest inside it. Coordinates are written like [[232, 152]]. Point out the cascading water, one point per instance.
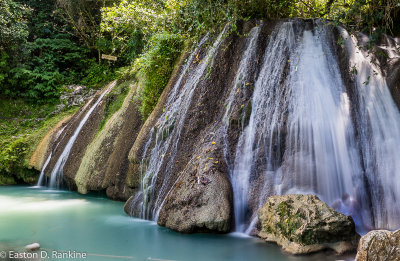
[[309, 130], [300, 136], [378, 122], [242, 78], [42, 173], [58, 138], [166, 133], [57, 172]]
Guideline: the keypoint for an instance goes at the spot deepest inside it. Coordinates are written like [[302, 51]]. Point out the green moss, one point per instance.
[[283, 209], [115, 99], [289, 222], [38, 134], [307, 238], [22, 126]]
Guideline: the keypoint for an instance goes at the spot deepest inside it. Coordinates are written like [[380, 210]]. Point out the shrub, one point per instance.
[[156, 66], [97, 74]]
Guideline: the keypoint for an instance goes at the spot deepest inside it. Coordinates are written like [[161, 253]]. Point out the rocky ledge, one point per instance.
[[379, 245], [303, 224]]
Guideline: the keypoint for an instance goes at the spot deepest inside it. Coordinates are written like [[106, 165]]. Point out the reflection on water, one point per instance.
[[97, 226]]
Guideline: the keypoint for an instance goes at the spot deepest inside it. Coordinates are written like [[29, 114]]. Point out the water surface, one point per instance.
[[63, 220]]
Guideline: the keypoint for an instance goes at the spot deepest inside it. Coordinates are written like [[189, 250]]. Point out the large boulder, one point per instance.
[[379, 245], [201, 199], [303, 224]]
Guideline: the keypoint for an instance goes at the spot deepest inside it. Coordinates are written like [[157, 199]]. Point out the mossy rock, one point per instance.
[[303, 224], [379, 245]]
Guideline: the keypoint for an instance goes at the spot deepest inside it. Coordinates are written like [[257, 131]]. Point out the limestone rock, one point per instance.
[[379, 245], [75, 95], [303, 224], [104, 163], [201, 199], [42, 151], [32, 247]]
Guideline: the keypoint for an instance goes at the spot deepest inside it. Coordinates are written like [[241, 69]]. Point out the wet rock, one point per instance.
[[43, 150], [303, 224], [104, 165], [379, 245], [201, 199]]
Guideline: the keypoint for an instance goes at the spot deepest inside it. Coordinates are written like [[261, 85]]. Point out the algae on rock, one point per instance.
[[379, 245], [97, 170], [303, 224]]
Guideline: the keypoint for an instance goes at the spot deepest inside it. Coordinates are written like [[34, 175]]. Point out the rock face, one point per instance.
[[201, 199], [98, 160], [74, 96], [191, 189], [379, 245], [105, 162], [176, 166], [42, 151], [303, 224]]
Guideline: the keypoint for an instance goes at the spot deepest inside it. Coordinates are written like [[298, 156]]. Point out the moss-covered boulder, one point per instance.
[[303, 224], [379, 245]]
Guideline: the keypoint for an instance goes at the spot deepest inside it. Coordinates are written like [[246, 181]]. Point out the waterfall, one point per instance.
[[300, 136], [305, 128], [58, 140], [166, 133], [42, 172], [378, 122], [241, 81], [57, 172], [242, 77]]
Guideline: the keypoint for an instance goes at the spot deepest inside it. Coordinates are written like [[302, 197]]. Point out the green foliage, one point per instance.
[[53, 62], [156, 66], [13, 26], [97, 75], [43, 62], [22, 126], [289, 222], [367, 15], [84, 17], [4, 67], [12, 155]]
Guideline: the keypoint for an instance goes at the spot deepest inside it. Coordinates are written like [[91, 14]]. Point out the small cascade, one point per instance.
[[273, 67], [289, 123], [241, 81], [243, 77], [378, 123], [57, 172], [58, 138], [42, 173], [300, 136], [166, 134]]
